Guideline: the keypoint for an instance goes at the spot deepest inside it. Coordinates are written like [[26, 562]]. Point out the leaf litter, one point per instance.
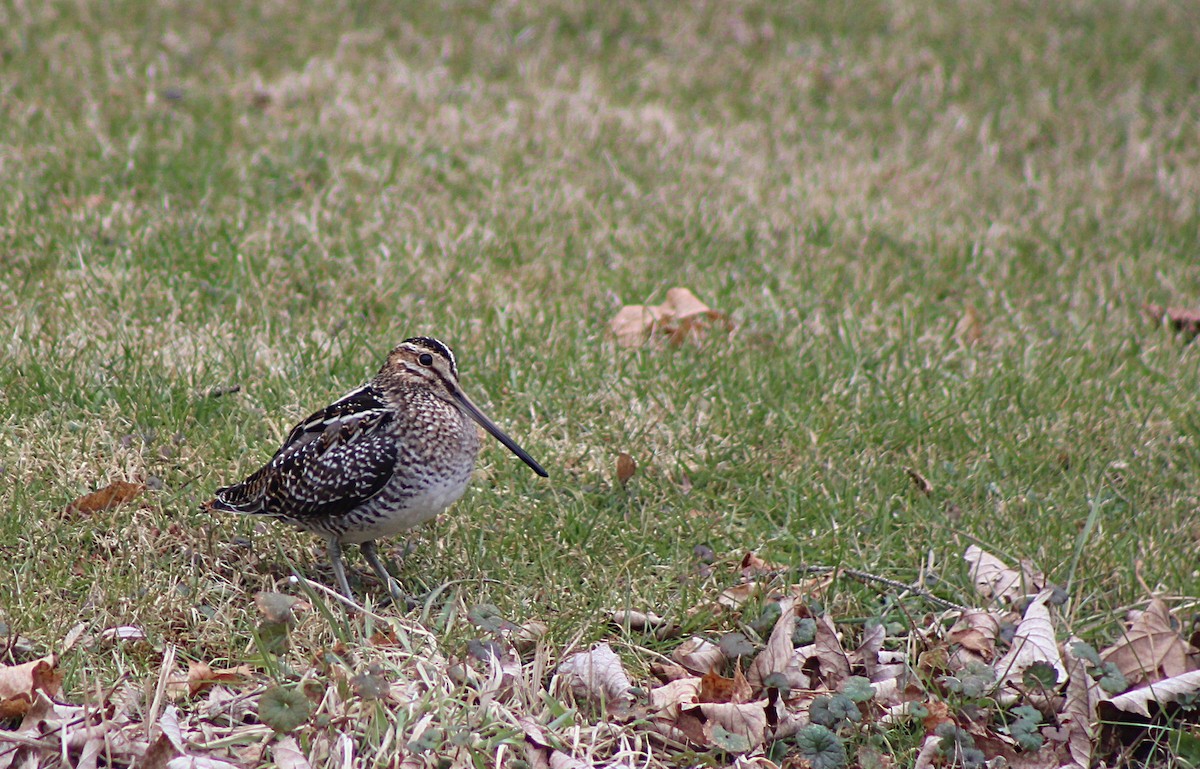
[[682, 317], [794, 687]]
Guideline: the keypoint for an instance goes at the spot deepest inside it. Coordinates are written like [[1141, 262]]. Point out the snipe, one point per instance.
[[384, 458]]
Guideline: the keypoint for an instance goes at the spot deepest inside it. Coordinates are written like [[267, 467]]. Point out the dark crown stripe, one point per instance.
[[435, 346]]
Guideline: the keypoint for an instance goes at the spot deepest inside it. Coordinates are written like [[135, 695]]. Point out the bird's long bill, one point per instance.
[[487, 424]]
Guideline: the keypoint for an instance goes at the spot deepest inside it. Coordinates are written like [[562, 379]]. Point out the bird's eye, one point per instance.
[[425, 359]]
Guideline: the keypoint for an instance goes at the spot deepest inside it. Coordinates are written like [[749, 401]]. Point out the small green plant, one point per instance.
[[283, 708], [1024, 727], [834, 710], [958, 747], [1106, 674], [973, 682], [821, 747]]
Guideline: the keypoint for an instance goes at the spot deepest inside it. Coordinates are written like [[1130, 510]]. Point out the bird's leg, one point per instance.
[[339, 570], [372, 556]]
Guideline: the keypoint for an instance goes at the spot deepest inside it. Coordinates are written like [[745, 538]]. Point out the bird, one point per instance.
[[385, 457]]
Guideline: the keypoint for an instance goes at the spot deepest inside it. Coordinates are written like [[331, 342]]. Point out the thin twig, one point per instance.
[[866, 576]]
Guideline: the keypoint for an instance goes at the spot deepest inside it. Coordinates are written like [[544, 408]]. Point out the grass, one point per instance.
[[272, 196]]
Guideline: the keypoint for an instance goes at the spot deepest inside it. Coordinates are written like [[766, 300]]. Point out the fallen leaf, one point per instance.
[[626, 468], [747, 720], [1034, 642], [201, 677], [1179, 319], [632, 325], [1079, 711], [1151, 648], [831, 656], [753, 566], [699, 655], [921, 482], [681, 317], [598, 675], [715, 687], [866, 655], [113, 495], [997, 580], [671, 696], [19, 683], [123, 633], [668, 671], [287, 754], [969, 329], [1160, 692], [778, 652], [635, 620], [976, 632], [734, 597]]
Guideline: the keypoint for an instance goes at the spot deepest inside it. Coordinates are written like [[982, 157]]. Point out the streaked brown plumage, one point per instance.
[[387, 456]]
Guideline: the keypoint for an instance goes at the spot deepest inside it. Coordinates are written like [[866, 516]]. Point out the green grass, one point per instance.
[[272, 196]]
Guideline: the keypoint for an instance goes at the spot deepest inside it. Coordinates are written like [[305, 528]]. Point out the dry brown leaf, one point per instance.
[[698, 655], [626, 468], [632, 325], [969, 329], [753, 566], [201, 677], [682, 317], [671, 696], [598, 675], [976, 632], [19, 684], [123, 633], [1078, 715], [1033, 642], [635, 620], [287, 754], [734, 597], [668, 671], [1159, 692], [778, 652], [715, 687], [997, 580], [867, 653], [1180, 319], [747, 719], [921, 482], [829, 653], [113, 495], [1151, 648]]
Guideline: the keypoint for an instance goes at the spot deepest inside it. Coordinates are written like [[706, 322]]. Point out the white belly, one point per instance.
[[411, 511]]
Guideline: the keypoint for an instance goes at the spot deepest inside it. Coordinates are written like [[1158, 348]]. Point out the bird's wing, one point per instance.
[[330, 463], [360, 403], [345, 465]]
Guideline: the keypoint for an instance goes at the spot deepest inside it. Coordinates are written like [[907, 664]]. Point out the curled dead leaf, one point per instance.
[[1034, 642], [1158, 693], [681, 317], [754, 566], [976, 632], [1151, 648], [20, 683], [699, 655], [995, 579], [969, 329], [715, 687], [626, 468], [598, 675], [113, 495], [921, 482], [1181, 319]]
